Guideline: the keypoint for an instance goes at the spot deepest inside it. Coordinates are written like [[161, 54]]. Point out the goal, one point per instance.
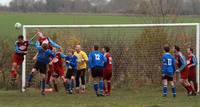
[[136, 48]]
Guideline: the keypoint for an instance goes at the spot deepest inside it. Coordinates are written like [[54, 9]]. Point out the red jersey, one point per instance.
[[46, 40], [58, 65], [108, 66], [21, 47], [191, 60]]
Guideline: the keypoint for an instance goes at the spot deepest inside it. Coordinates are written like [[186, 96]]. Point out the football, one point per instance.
[[18, 25]]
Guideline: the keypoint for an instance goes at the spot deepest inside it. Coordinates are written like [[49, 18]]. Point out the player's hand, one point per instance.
[[67, 61], [51, 63], [34, 58], [177, 70], [83, 60]]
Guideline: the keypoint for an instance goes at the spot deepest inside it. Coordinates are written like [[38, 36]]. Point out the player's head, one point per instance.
[[96, 47], [107, 49], [189, 50], [53, 49], [166, 48], [70, 52], [176, 48], [44, 46], [20, 38], [78, 48]]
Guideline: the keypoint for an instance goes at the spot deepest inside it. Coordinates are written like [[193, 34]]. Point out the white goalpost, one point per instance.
[[196, 25]]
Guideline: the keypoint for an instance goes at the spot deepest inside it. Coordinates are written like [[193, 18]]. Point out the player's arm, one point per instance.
[[194, 61], [54, 44], [17, 49], [90, 61], [84, 57], [183, 61]]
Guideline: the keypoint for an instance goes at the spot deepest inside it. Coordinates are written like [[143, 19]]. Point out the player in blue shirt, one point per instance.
[[168, 69], [43, 59], [71, 65], [96, 64]]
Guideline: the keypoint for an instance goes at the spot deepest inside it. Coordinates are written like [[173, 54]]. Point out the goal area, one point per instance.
[[136, 48]]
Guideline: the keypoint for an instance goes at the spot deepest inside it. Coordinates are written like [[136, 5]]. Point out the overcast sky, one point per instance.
[[5, 2]]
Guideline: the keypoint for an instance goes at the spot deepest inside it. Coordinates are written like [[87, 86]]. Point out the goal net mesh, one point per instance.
[[136, 52]]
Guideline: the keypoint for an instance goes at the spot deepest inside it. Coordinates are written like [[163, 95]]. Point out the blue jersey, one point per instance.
[[168, 64], [72, 62], [43, 56], [96, 59]]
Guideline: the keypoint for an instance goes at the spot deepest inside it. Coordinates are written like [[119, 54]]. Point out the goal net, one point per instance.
[[136, 48]]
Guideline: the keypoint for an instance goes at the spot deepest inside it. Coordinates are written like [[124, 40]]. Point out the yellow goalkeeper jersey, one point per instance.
[[81, 56]]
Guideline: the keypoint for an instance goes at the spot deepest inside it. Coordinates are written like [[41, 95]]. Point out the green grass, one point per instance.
[[7, 20], [145, 97]]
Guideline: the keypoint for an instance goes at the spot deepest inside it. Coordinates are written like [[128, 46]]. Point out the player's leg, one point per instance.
[[43, 69], [13, 72], [77, 80], [95, 81], [31, 75], [53, 79], [165, 89], [49, 75], [65, 81], [101, 83], [171, 80], [83, 80]]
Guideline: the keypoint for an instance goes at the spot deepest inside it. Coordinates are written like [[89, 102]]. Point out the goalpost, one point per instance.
[[196, 25]]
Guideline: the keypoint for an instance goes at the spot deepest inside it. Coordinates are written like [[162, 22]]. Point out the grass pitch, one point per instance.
[[144, 97]]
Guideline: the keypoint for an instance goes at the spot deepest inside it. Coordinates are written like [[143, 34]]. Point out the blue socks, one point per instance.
[[101, 86], [174, 91], [30, 78], [165, 91], [96, 88]]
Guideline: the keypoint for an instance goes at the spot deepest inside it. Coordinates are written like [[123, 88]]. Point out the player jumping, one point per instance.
[[21, 47], [96, 64], [43, 57], [107, 71], [168, 69]]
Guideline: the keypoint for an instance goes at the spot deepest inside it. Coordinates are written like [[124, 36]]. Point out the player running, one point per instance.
[[107, 71], [191, 66], [168, 69], [96, 64], [43, 57], [21, 48], [81, 69], [58, 69], [71, 64], [182, 69]]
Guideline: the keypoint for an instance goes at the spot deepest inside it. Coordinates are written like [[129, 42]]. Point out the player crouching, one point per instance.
[[71, 64], [96, 64], [168, 69], [21, 47], [58, 70]]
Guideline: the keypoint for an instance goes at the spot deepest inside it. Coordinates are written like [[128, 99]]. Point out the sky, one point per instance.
[[5, 2]]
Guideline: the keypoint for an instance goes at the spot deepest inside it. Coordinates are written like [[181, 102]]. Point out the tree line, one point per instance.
[[183, 7]]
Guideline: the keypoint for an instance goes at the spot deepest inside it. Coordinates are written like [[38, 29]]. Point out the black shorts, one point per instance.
[[70, 73], [41, 67], [97, 72], [167, 77]]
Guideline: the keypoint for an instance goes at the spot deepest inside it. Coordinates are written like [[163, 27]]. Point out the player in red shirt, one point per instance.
[[191, 66], [21, 48], [107, 72], [58, 69], [183, 70]]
